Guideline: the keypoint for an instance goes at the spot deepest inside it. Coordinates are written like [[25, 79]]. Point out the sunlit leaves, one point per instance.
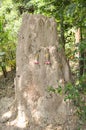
[[9, 24]]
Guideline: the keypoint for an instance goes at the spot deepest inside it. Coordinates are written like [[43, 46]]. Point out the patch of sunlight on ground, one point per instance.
[[7, 114], [19, 123]]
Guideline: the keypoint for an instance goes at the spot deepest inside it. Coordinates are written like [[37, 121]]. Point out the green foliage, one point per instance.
[[82, 45], [9, 24], [55, 90], [70, 47], [75, 93], [3, 63]]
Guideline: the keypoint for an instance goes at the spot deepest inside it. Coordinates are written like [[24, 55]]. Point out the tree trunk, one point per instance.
[[84, 71], [78, 39], [4, 71], [62, 28], [41, 64]]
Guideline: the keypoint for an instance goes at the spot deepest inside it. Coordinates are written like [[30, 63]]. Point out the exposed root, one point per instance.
[[21, 122], [10, 114], [13, 105], [16, 115]]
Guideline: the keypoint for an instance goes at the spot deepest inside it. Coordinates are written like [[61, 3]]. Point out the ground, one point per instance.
[[6, 95], [7, 85]]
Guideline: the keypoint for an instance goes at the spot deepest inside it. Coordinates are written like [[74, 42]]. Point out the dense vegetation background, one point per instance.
[[70, 16]]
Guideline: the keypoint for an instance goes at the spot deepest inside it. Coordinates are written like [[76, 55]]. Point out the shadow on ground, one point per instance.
[[7, 84], [7, 93]]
